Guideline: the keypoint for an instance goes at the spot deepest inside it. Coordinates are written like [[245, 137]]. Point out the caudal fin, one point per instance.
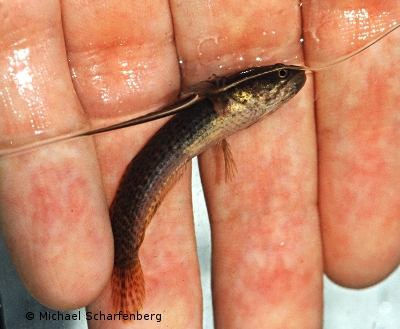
[[128, 293]]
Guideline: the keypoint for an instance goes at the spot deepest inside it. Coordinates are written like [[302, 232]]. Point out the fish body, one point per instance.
[[226, 107]]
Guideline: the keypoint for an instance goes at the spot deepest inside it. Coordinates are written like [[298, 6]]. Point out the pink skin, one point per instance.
[[54, 217], [267, 251], [358, 142]]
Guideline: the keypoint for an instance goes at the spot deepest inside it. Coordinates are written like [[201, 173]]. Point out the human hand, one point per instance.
[[267, 260]]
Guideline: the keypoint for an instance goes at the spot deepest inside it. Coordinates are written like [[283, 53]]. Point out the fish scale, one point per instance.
[[160, 163]]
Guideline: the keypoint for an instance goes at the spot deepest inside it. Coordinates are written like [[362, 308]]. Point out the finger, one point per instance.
[[233, 44], [53, 214], [358, 139], [266, 251], [124, 64]]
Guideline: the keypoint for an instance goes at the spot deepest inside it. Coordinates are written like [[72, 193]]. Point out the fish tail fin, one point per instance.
[[128, 292]]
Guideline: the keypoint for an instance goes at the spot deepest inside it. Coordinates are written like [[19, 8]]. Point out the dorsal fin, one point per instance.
[[203, 88]]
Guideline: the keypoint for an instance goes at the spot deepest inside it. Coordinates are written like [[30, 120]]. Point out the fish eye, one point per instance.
[[283, 73]]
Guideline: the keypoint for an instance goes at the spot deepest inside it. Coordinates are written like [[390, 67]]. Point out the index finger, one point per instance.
[[54, 218]]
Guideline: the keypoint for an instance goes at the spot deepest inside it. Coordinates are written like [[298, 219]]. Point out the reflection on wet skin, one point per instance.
[[351, 19]]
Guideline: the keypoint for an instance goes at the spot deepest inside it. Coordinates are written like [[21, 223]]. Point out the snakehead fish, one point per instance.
[[226, 105]]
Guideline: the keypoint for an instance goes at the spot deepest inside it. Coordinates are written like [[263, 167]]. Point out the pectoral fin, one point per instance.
[[230, 166]]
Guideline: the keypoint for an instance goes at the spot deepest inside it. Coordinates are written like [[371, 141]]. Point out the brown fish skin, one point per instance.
[[159, 164]]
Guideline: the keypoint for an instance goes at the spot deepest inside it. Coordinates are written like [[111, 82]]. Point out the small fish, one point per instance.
[[222, 107]]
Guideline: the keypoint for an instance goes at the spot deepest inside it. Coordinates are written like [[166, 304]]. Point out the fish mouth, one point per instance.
[[298, 80]]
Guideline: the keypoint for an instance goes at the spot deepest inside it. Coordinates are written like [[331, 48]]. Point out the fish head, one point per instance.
[[268, 86]]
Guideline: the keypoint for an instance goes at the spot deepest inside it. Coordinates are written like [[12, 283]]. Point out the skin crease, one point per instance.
[[267, 256]]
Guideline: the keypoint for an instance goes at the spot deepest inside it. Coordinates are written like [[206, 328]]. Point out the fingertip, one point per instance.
[[356, 279], [360, 266], [70, 282], [55, 223], [82, 289]]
